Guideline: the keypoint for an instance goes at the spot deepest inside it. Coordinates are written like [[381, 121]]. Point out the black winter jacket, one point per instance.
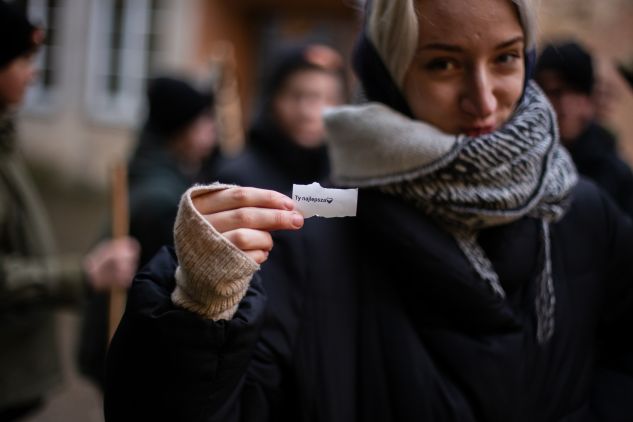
[[381, 318], [596, 157]]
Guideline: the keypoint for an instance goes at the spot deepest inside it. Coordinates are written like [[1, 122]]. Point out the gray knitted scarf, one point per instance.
[[465, 183]]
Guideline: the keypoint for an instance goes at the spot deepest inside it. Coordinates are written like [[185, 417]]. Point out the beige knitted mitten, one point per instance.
[[213, 274]]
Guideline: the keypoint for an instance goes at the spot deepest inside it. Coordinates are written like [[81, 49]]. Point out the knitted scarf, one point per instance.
[[465, 183]]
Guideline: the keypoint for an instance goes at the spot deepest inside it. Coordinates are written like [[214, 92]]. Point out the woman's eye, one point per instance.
[[508, 58], [441, 65]]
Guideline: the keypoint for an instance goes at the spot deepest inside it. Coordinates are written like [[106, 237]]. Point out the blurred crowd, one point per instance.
[[177, 146]]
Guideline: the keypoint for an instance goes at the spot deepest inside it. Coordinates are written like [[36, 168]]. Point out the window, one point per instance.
[[124, 47], [43, 94], [156, 42]]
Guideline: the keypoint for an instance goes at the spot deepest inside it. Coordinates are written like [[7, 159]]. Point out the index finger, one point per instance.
[[241, 197]]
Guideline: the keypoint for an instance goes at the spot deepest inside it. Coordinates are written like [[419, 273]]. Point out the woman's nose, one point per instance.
[[479, 99]]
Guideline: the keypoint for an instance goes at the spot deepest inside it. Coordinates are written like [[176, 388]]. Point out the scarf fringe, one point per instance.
[[479, 261], [545, 302], [546, 296]]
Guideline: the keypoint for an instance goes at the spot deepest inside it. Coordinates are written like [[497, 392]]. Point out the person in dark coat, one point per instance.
[[286, 142], [176, 138], [35, 278], [565, 71], [482, 279]]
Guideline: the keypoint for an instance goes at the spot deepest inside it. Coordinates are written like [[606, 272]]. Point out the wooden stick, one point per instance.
[[228, 107], [120, 228]]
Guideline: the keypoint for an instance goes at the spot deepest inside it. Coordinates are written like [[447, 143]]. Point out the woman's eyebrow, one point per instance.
[[458, 49], [443, 47], [510, 43]]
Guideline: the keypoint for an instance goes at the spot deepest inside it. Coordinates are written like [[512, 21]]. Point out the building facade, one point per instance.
[[82, 114]]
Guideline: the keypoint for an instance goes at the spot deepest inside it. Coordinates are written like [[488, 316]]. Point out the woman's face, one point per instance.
[[468, 71], [197, 141], [299, 105]]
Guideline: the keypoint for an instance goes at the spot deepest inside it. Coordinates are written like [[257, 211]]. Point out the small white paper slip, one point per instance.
[[315, 200]]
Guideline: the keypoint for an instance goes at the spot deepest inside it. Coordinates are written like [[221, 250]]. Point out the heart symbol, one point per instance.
[[329, 200]]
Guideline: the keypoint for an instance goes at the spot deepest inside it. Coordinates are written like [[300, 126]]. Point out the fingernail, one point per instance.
[[289, 204], [297, 220]]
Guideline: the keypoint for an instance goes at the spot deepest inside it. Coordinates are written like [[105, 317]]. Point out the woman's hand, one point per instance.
[[246, 216]]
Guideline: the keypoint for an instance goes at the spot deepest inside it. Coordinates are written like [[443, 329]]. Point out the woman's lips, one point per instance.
[[478, 130]]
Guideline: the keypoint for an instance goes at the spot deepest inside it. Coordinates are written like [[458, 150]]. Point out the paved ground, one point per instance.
[[76, 400]]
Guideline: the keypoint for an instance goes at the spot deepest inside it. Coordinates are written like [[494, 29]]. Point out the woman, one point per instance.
[[35, 279], [286, 143], [481, 280]]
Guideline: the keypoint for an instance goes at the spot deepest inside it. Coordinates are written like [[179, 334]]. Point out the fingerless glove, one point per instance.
[[213, 274]]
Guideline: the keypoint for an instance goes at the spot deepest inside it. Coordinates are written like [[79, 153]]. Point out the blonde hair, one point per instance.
[[392, 27]]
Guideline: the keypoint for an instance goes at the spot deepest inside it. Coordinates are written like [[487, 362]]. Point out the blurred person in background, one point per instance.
[[606, 93], [33, 278], [177, 137], [566, 73], [286, 144], [482, 279]]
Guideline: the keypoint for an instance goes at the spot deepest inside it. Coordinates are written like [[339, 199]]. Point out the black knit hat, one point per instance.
[[571, 62], [174, 104], [16, 34]]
